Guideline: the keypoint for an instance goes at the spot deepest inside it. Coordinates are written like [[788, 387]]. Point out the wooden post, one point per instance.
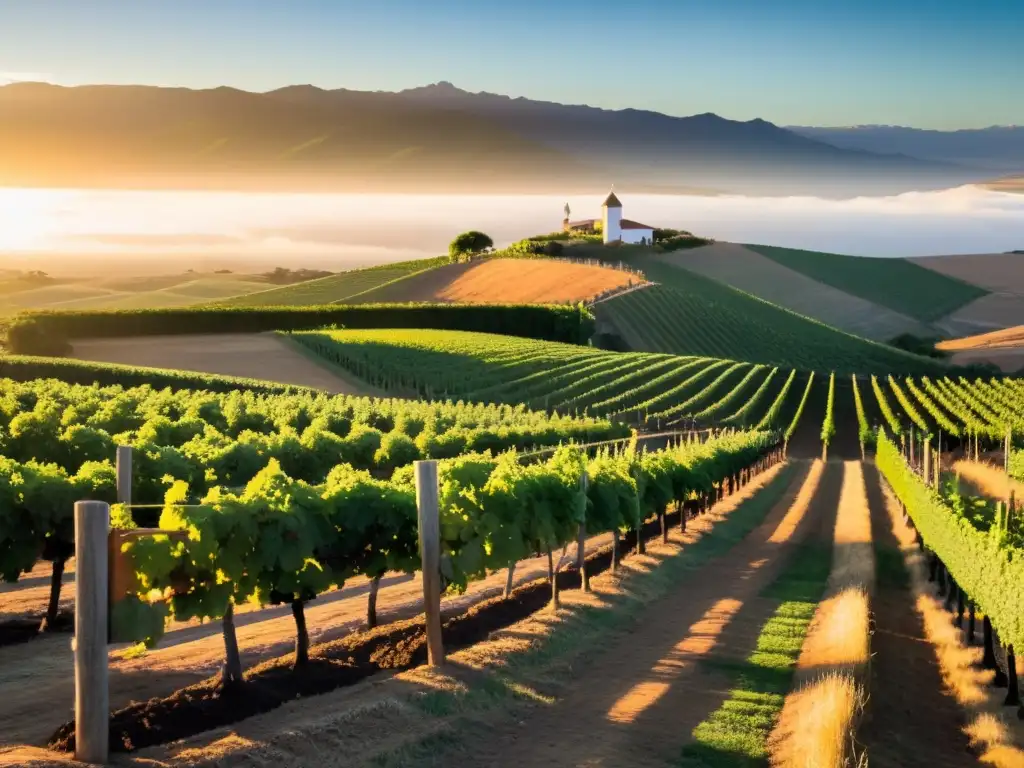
[[124, 475], [430, 552], [581, 542], [1006, 453], [92, 693]]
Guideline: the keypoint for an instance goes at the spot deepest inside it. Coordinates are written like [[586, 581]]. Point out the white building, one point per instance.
[[615, 228]]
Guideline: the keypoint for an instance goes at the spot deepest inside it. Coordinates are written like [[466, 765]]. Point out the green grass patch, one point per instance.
[[736, 734], [897, 284], [890, 572]]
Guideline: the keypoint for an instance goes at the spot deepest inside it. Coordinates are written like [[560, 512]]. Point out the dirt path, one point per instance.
[[823, 698], [910, 720], [251, 355], [37, 682], [637, 701]]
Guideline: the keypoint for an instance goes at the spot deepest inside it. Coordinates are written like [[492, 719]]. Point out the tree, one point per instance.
[[469, 243]]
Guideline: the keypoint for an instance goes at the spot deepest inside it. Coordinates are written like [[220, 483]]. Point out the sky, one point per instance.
[[941, 64]]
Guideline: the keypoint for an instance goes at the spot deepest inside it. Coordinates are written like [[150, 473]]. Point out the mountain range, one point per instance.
[[434, 138], [999, 148]]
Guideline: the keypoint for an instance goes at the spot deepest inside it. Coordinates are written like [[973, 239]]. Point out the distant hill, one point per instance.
[[435, 138], [114, 292], [999, 148]]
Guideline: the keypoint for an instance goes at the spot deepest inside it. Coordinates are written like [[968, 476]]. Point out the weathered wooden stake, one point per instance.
[[581, 542], [124, 474], [92, 692], [553, 579], [509, 579], [430, 554]]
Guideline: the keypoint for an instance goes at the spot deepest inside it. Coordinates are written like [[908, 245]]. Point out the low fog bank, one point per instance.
[[80, 231]]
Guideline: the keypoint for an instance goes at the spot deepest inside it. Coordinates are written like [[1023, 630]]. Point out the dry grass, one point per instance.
[[532, 281], [251, 355], [989, 479], [816, 727], [995, 735], [1008, 337]]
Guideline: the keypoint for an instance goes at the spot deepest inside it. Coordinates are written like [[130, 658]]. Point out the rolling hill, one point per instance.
[[124, 292], [689, 314], [434, 138], [899, 284], [748, 270]]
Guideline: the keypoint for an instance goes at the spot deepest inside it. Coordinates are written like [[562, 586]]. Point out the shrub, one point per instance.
[[48, 333], [918, 345], [470, 242]]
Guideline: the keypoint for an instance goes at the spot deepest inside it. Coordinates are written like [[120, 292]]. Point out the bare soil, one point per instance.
[[749, 271], [517, 281], [637, 701], [191, 652], [911, 718], [995, 312], [397, 646], [996, 272], [257, 356]]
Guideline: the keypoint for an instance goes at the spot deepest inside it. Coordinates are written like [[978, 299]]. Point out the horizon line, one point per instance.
[[9, 82]]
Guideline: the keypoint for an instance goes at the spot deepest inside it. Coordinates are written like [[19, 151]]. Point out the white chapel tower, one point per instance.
[[611, 218]]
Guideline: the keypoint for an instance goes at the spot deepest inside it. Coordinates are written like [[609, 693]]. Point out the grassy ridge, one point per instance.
[[897, 284]]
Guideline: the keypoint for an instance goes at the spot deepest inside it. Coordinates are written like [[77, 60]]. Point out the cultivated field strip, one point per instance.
[[686, 313], [660, 389]]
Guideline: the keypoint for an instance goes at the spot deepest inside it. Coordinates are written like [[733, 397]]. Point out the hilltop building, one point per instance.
[[614, 228]]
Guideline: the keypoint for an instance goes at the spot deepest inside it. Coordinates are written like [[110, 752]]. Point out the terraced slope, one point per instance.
[[689, 314], [747, 270], [899, 284]]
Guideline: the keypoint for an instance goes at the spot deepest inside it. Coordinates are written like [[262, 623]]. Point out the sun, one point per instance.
[[27, 218]]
